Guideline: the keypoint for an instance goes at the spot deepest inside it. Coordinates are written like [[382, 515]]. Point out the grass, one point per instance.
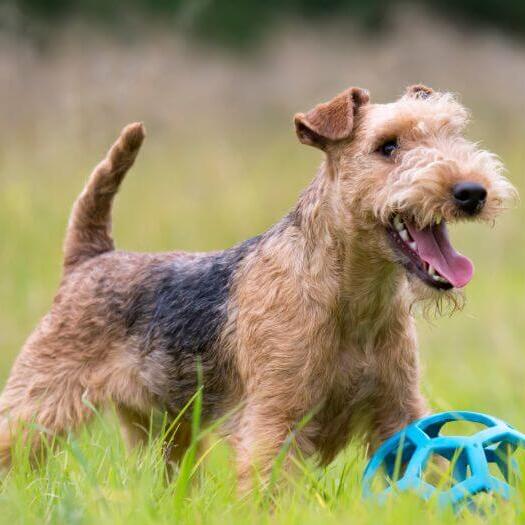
[[201, 195]]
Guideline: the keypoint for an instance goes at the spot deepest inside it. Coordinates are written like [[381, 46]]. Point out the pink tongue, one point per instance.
[[433, 246]]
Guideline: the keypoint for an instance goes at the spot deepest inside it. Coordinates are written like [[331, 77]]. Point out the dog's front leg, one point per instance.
[[262, 442], [391, 413], [397, 400]]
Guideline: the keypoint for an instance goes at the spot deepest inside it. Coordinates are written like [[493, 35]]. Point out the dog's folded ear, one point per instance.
[[332, 121], [419, 91]]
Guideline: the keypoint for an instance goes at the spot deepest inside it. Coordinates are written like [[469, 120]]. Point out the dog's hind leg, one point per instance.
[[39, 403], [135, 426], [55, 388]]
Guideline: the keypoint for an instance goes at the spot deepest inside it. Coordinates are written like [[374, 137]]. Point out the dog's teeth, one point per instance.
[[404, 235], [431, 270], [412, 245], [398, 223]]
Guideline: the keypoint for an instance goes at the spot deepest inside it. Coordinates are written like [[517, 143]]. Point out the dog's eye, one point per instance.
[[387, 148]]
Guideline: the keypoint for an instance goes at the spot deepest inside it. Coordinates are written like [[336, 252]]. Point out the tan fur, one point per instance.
[[318, 337]]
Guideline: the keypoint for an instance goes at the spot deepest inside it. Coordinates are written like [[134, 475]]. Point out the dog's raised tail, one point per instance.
[[89, 230]]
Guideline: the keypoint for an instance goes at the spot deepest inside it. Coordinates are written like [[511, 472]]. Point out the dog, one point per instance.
[[310, 322]]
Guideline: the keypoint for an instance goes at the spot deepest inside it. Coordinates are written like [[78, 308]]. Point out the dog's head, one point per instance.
[[401, 172]]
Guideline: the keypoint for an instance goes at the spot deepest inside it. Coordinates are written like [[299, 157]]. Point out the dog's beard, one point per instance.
[[435, 303]]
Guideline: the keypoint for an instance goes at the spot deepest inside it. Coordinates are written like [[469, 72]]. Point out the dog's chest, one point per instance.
[[366, 355], [347, 399], [353, 375]]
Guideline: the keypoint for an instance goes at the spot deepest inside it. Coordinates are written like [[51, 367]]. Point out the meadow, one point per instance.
[[207, 186]]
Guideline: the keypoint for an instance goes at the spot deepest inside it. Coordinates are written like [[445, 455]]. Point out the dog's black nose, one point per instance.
[[469, 196]]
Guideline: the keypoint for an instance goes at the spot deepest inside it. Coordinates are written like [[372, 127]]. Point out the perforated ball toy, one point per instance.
[[481, 462]]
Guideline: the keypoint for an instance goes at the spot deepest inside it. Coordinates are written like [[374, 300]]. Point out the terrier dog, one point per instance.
[[312, 319]]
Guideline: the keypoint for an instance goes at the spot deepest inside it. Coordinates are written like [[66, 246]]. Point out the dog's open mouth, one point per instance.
[[429, 254]]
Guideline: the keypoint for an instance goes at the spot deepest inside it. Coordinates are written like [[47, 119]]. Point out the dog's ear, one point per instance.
[[332, 121], [419, 91]]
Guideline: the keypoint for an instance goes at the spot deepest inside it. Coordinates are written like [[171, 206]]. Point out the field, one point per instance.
[[207, 186]]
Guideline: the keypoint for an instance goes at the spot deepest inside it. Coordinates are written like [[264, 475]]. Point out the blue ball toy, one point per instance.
[[403, 460]]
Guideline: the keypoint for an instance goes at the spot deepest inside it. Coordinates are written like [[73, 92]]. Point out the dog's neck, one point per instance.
[[368, 286]]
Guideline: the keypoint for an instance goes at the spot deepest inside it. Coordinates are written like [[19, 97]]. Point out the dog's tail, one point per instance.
[[89, 230]]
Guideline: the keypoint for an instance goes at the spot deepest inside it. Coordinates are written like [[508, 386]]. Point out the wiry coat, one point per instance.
[[311, 319]]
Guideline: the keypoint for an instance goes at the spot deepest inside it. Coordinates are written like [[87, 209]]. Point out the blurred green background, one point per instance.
[[216, 84]]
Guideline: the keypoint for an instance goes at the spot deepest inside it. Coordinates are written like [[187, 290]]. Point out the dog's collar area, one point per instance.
[[406, 246]]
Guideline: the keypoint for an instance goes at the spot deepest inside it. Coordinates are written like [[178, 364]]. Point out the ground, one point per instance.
[[201, 193]]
